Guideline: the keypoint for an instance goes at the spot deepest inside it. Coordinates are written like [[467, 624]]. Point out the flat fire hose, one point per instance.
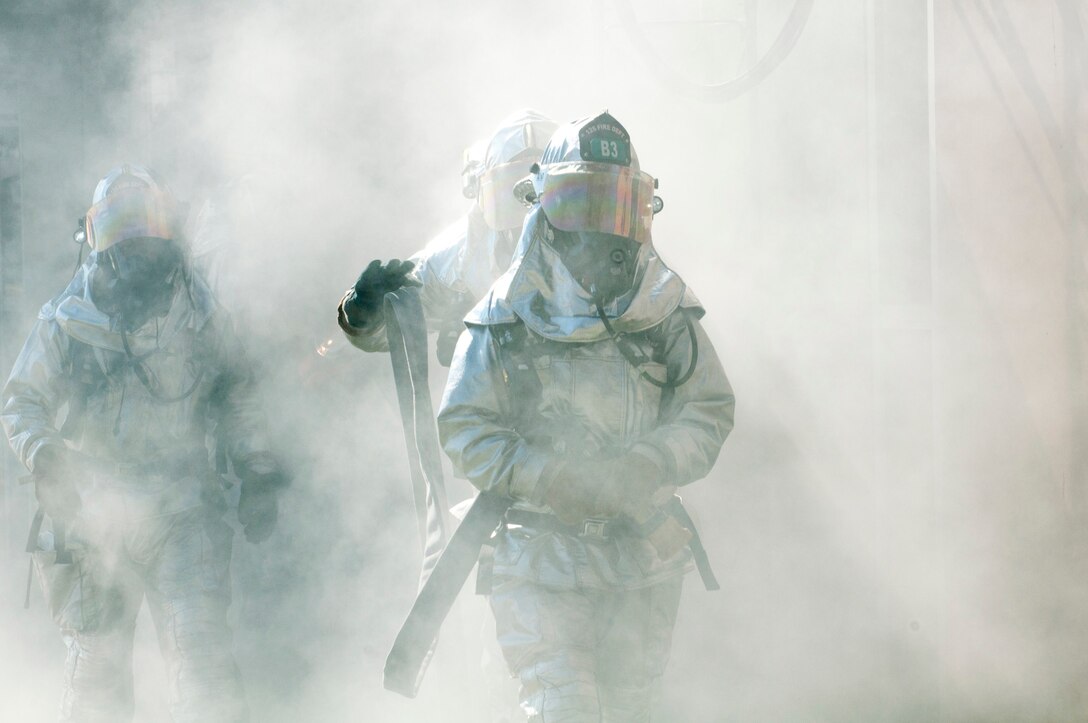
[[407, 334], [445, 567], [414, 646]]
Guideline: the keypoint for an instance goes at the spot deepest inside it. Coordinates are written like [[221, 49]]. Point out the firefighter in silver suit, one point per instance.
[[586, 391], [147, 367], [460, 264]]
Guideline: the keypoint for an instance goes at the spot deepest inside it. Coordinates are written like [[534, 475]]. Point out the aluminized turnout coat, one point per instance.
[[151, 522], [584, 622]]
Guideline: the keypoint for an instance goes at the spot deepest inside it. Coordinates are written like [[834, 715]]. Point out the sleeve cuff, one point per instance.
[[350, 329], [661, 456], [532, 478], [31, 460]]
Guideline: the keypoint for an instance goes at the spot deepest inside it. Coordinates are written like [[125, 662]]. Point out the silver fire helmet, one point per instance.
[[494, 167], [597, 202], [588, 180], [130, 202], [132, 229]]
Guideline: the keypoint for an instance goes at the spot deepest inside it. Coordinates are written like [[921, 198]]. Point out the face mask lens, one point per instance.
[[104, 289], [603, 264], [134, 280]]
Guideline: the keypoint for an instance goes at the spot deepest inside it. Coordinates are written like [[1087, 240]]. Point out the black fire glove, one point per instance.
[[374, 283], [54, 485], [629, 485], [258, 505], [572, 492], [641, 496], [584, 488]]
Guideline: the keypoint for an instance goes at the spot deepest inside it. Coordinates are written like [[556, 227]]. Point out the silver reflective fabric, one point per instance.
[[585, 623], [593, 401], [76, 314], [151, 519], [523, 133], [540, 290], [181, 563], [124, 422], [586, 656], [122, 176], [565, 145]]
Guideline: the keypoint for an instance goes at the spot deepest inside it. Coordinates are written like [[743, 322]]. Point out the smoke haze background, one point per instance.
[[888, 234]]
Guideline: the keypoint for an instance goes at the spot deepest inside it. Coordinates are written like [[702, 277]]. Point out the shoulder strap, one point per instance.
[[514, 349]]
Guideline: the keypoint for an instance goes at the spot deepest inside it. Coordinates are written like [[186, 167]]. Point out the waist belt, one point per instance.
[[600, 528], [605, 528], [414, 644]]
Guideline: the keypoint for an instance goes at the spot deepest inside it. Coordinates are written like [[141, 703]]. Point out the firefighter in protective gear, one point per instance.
[[149, 369], [462, 262], [586, 390]]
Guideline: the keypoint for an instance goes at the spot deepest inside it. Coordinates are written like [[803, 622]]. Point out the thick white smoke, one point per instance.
[[888, 236]]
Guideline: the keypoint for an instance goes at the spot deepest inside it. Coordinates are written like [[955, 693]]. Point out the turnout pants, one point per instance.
[[586, 655], [180, 563]]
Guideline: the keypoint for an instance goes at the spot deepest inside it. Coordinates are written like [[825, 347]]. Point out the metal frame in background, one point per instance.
[[757, 65]]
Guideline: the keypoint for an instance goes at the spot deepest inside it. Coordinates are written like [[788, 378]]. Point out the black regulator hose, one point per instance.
[[617, 339]]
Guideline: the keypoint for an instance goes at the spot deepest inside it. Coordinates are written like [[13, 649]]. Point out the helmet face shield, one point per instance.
[[598, 198], [501, 210], [130, 213]]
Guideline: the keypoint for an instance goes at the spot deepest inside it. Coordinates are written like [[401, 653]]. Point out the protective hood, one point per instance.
[[539, 290], [76, 314]]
